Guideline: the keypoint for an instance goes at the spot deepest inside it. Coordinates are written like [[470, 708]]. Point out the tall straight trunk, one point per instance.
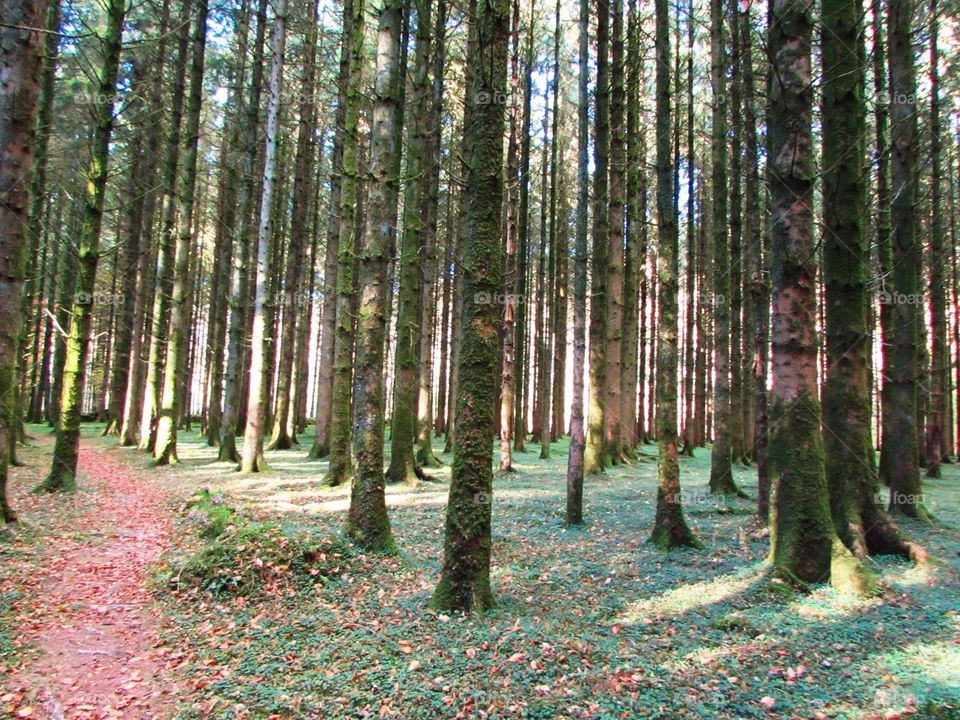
[[902, 466], [367, 522], [881, 122], [758, 253], [230, 159], [261, 365], [735, 300], [234, 375], [165, 450], [66, 450], [321, 441], [614, 433], [559, 249], [403, 419], [721, 475], [643, 306], [38, 208], [511, 341], [701, 386], [751, 221], [284, 437], [689, 428], [633, 262], [465, 579], [340, 421], [140, 340], [523, 241], [850, 459], [21, 55], [440, 422], [133, 235], [802, 539], [546, 271], [936, 435], [670, 529], [575, 459], [594, 455], [429, 203], [159, 324], [458, 254]]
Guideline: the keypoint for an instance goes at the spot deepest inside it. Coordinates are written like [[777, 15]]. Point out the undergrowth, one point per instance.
[[241, 556]]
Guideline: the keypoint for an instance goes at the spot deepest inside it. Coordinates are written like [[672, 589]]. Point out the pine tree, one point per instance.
[[21, 54], [465, 579], [66, 450]]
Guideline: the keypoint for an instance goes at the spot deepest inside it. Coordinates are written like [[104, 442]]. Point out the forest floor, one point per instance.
[[145, 595]]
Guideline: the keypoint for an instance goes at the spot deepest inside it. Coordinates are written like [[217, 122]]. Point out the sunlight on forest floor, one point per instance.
[[591, 622]]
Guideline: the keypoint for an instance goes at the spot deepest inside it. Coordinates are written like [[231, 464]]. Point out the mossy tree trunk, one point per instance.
[[803, 543], [900, 448], [403, 419], [66, 450], [165, 450], [465, 580], [575, 459], [594, 452], [21, 53], [367, 521], [340, 469], [850, 460], [670, 529], [163, 288]]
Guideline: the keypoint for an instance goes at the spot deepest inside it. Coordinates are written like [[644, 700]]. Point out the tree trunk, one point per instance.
[[936, 437], [575, 459], [721, 475], [66, 450], [594, 455], [340, 470], [429, 202], [284, 437], [670, 529], [802, 539], [233, 378], [367, 522], [850, 460], [900, 447], [465, 579], [21, 55], [165, 450], [403, 430]]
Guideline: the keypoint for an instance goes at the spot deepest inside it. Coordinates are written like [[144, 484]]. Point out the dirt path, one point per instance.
[[89, 617]]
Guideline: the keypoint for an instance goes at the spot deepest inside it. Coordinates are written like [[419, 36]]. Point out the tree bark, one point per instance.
[[465, 579], [66, 450]]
